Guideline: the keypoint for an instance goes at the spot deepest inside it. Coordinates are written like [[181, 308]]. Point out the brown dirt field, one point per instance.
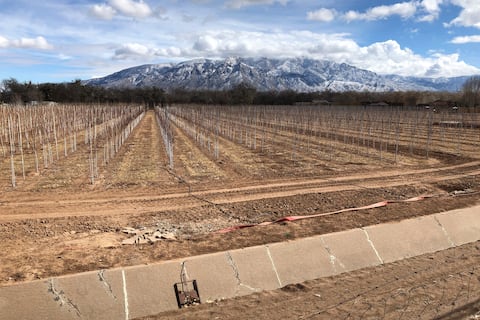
[[55, 223]]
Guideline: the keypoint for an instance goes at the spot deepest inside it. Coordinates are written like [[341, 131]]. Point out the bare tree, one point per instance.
[[471, 91]]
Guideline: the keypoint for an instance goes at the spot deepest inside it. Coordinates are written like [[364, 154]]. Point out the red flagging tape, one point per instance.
[[296, 218]]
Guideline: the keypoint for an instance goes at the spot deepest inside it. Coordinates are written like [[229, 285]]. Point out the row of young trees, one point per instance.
[[242, 94], [35, 137], [329, 133], [164, 122]]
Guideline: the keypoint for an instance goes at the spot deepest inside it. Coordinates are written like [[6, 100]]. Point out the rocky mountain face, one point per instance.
[[298, 74]]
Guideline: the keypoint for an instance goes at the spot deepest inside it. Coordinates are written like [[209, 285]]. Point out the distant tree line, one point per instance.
[[13, 91], [471, 92], [20, 93]]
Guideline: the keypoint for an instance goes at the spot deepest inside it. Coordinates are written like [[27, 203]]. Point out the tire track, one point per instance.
[[144, 203]]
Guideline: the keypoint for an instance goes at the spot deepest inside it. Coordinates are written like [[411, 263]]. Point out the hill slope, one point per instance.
[[265, 74]]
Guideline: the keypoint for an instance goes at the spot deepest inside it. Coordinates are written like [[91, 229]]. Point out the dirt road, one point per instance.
[[102, 203]]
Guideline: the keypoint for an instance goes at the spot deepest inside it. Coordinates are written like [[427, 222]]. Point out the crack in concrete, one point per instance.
[[62, 298], [444, 232], [371, 244], [333, 260], [274, 267], [106, 284], [235, 271], [232, 263]]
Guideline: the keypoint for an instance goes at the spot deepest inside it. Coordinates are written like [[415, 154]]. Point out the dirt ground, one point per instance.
[[56, 223]]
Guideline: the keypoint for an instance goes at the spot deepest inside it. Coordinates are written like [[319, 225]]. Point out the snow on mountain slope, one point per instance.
[[265, 74]]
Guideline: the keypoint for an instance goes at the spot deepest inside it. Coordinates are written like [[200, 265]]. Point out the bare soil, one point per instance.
[[56, 223]]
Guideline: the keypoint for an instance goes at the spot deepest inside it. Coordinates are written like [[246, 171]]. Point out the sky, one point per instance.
[[62, 41]]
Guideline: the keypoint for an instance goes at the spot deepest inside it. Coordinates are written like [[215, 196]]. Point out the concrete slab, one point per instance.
[[214, 274], [301, 260], [462, 226], [92, 295], [408, 238], [350, 250], [33, 301], [150, 288], [253, 270]]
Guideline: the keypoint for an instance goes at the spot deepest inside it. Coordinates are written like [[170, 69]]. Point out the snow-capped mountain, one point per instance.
[[299, 74]]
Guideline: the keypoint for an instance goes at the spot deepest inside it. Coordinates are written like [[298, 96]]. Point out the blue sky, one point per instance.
[[55, 41]]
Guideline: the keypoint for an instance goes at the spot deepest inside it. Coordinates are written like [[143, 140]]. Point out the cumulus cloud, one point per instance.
[[449, 65], [403, 9], [322, 15], [25, 43], [389, 57], [237, 4], [133, 51], [432, 9], [431, 5], [206, 43], [463, 39], [470, 14], [129, 8], [426, 11], [386, 57], [103, 11]]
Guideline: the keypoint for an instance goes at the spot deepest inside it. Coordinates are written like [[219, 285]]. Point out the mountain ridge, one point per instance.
[[265, 74]]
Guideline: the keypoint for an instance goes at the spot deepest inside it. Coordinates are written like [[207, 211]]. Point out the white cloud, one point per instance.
[[32, 43], [470, 14], [206, 43], [432, 8], [466, 39], [449, 65], [131, 8], [133, 51], [103, 11], [237, 4], [64, 57], [428, 18], [432, 5], [171, 52], [389, 57], [403, 9], [386, 57], [26, 43], [4, 43], [323, 15]]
